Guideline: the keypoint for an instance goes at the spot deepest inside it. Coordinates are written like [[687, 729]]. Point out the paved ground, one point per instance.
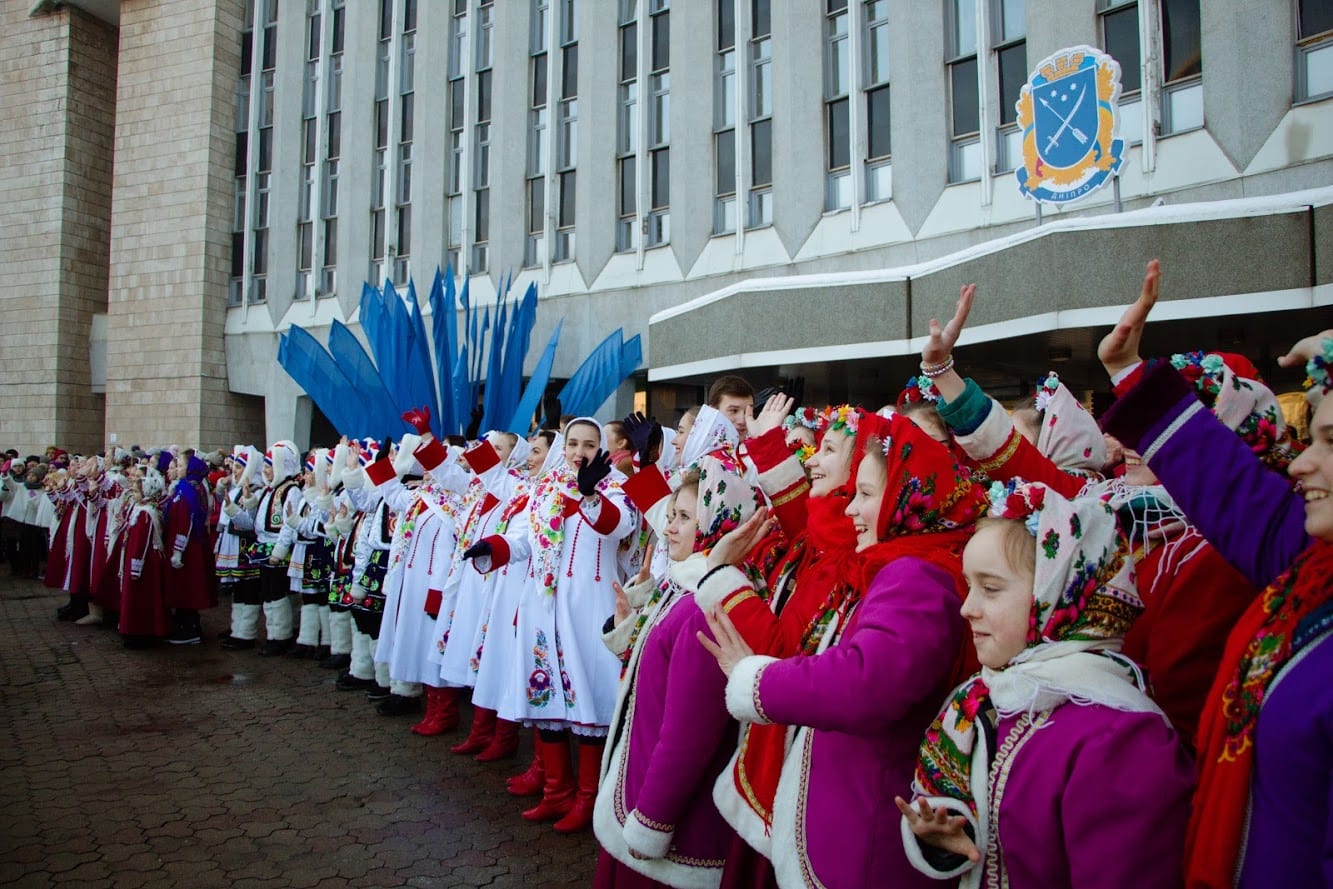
[[193, 766]]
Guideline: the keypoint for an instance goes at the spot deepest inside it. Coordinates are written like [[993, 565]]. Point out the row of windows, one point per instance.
[[985, 61]]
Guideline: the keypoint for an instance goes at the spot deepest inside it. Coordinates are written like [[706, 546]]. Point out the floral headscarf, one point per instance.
[[726, 499], [711, 432], [1069, 436], [1244, 405], [1083, 602]]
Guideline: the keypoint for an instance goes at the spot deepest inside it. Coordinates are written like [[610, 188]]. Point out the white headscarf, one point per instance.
[[711, 431]]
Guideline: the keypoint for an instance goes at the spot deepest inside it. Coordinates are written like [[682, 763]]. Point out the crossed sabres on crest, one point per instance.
[[1039, 173]]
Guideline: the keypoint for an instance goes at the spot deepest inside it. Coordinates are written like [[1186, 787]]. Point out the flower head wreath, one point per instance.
[[1319, 372], [919, 389], [1010, 500], [808, 417], [1203, 370], [844, 418]]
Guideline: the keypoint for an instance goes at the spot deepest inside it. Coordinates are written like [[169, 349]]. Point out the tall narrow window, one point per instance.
[[534, 251], [264, 160], [481, 172], [236, 286], [328, 197], [879, 169], [837, 107], [1314, 50], [567, 118], [760, 208], [724, 120], [964, 97], [402, 263], [1182, 66], [1009, 41], [1120, 39], [627, 129], [305, 226], [659, 125], [457, 122]]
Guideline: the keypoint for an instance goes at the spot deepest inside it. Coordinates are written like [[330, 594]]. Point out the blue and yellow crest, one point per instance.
[[1068, 114]]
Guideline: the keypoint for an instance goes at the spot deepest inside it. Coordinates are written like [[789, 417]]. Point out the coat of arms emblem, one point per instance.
[[1068, 114]]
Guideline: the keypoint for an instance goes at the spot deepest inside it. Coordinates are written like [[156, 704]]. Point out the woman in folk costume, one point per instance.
[[655, 816], [500, 462], [1067, 450], [371, 547], [74, 561], [104, 517], [866, 698], [231, 561], [1052, 767], [267, 515], [312, 557], [339, 527], [143, 565], [576, 517], [807, 571], [185, 526], [1263, 744], [503, 675], [418, 568]]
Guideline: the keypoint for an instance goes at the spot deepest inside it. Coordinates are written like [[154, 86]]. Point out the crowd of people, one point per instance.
[[936, 641]]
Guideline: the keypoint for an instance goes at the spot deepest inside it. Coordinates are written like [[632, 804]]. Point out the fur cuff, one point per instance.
[[649, 838], [912, 846], [784, 481], [481, 458], [431, 454], [353, 479], [379, 472], [646, 488], [743, 689], [993, 436], [638, 594], [617, 638], [719, 585]]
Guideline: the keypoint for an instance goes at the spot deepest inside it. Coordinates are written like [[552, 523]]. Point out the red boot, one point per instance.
[[441, 712], [483, 731], [558, 788], [590, 773], [504, 744], [529, 783]]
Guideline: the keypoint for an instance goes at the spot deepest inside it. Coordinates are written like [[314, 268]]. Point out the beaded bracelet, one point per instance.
[[938, 370]]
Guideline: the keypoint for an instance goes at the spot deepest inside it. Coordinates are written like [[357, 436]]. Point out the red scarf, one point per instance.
[[1263, 641]]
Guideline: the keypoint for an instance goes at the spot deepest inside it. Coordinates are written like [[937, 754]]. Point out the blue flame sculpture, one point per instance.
[[364, 393]]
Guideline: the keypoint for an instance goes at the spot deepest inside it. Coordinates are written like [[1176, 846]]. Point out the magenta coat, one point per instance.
[[868, 700]]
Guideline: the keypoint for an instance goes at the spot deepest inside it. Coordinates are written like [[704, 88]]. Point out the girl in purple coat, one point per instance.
[[862, 703], [1052, 767], [671, 733]]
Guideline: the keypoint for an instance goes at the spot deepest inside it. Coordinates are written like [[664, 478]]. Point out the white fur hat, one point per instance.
[[285, 459]]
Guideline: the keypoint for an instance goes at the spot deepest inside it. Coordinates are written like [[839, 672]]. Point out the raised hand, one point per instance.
[[593, 471], [385, 447], [727, 644], [939, 347], [473, 428], [1119, 349], [775, 410], [477, 550], [623, 610], [646, 435], [1304, 350], [938, 828], [418, 419]]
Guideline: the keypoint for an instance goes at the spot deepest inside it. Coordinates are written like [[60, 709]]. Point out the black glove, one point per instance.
[[476, 550], [646, 435], [474, 427], [763, 395], [384, 449], [592, 472]]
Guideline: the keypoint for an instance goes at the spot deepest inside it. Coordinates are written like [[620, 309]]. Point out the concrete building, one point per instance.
[[841, 167]]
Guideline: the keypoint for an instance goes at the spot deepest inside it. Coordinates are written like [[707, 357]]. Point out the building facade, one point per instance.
[[841, 167]]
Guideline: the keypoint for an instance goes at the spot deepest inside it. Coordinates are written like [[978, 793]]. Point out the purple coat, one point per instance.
[[867, 701], [1258, 525], [671, 740]]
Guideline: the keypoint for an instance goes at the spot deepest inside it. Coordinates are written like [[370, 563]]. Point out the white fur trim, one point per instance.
[[647, 841], [406, 460], [339, 467], [912, 846], [789, 856], [719, 586], [781, 477], [354, 479], [617, 640], [737, 812], [987, 439], [638, 594], [689, 572], [743, 688]]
